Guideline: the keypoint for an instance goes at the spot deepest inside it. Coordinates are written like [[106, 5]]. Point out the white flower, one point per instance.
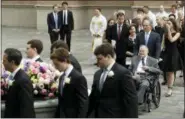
[[34, 85], [35, 92], [41, 86], [67, 80], [46, 81], [10, 82], [110, 74]]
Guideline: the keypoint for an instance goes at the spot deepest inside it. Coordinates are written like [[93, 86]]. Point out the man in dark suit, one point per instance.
[[19, 101], [138, 20], [119, 33], [141, 64], [54, 24], [34, 49], [73, 60], [113, 92], [67, 24], [73, 94], [149, 38]]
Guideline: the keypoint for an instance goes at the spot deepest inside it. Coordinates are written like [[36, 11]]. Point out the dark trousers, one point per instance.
[[66, 33], [53, 36], [121, 61]]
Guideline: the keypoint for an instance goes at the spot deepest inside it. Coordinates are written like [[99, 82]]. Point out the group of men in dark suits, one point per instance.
[[60, 23], [113, 91], [120, 33]]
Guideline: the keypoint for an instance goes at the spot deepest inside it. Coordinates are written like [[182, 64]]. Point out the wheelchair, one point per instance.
[[153, 92]]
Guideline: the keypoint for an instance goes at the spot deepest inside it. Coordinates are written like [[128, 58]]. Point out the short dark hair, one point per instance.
[[61, 55], [55, 5], [104, 49], [172, 15], [175, 6], [13, 55], [140, 10], [132, 25], [59, 44], [146, 7], [120, 14], [34, 43], [99, 9], [64, 3]]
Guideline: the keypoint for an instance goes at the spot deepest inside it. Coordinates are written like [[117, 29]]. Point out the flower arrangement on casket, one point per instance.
[[43, 77], [5, 82]]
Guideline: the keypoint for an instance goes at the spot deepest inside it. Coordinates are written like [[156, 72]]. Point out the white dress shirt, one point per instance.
[[98, 25], [65, 15], [15, 72], [140, 65], [55, 15], [35, 58]]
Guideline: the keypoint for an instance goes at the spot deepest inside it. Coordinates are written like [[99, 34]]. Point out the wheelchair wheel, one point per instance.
[[156, 96]]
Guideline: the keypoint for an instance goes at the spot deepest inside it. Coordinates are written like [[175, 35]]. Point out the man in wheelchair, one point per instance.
[[142, 66]]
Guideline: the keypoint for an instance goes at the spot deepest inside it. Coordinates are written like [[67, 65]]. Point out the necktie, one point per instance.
[[56, 21], [146, 38], [102, 79], [64, 19], [119, 32], [143, 61], [61, 83], [11, 77]]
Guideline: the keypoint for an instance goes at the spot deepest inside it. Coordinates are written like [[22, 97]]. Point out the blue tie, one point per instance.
[[61, 83], [56, 20], [146, 38]]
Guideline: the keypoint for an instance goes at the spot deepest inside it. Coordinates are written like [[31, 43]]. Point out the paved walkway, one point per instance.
[[81, 48]]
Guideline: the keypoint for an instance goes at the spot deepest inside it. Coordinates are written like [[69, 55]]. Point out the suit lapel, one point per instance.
[[143, 38], [108, 78]]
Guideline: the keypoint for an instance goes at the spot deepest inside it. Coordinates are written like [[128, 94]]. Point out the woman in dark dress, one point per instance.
[[172, 61], [107, 32], [130, 43]]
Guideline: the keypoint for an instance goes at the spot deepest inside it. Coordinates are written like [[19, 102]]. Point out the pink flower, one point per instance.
[[51, 95], [44, 76], [44, 92], [34, 71], [36, 64]]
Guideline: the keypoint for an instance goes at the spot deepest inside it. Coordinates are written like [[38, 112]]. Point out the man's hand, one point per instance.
[[129, 53], [145, 68], [57, 30], [136, 77]]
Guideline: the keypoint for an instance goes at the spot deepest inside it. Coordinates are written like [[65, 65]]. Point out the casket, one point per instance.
[[43, 108]]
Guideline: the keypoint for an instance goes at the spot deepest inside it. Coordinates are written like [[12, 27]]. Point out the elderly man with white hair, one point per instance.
[[162, 12], [142, 64]]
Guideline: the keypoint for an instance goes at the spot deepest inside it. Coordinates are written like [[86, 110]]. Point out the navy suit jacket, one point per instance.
[[154, 44], [51, 22]]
